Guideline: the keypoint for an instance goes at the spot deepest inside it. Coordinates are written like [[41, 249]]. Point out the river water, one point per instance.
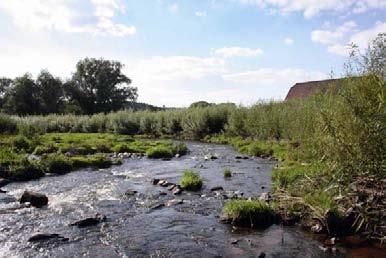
[[133, 228]]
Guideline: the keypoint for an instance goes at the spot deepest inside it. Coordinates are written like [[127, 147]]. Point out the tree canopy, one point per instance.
[[97, 85]]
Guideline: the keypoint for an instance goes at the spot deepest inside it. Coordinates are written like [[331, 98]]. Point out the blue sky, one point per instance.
[[180, 51]]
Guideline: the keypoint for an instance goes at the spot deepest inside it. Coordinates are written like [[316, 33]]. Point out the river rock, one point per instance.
[[261, 255], [177, 190], [161, 182], [44, 237], [90, 221], [157, 206], [130, 192], [155, 181], [162, 193], [217, 188], [2, 191], [37, 200], [265, 197], [174, 202], [4, 182], [170, 187]]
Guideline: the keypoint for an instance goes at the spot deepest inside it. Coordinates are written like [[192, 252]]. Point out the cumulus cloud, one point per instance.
[[310, 8], [237, 52], [170, 68], [339, 39], [333, 36], [64, 16], [288, 41]]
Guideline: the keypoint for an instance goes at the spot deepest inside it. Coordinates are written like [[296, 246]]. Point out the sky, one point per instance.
[[180, 51]]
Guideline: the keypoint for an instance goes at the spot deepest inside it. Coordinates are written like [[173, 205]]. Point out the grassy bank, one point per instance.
[[30, 157]]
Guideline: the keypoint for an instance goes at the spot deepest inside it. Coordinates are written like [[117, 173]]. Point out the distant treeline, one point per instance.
[[96, 86]]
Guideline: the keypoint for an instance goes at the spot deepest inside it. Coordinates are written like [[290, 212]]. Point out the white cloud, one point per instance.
[[310, 8], [273, 77], [339, 40], [61, 15], [173, 8], [176, 68], [331, 37], [237, 52], [288, 41], [200, 13]]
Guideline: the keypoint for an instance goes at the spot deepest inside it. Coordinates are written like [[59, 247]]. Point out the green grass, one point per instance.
[[191, 181], [253, 213], [160, 152], [63, 152], [57, 164], [227, 173]]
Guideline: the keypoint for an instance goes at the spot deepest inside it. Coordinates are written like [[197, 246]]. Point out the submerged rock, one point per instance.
[[155, 181], [217, 188], [37, 200], [157, 206], [4, 182], [45, 237], [90, 221], [130, 192]]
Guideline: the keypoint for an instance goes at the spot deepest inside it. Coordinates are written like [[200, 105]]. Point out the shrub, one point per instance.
[[227, 173], [191, 181]]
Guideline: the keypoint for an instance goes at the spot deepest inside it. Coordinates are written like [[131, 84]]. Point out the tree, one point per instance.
[[4, 85], [50, 92], [99, 85], [22, 97], [200, 104]]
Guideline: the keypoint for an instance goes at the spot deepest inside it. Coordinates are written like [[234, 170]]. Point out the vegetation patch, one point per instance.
[[160, 152], [248, 213], [57, 164], [191, 181], [227, 173]]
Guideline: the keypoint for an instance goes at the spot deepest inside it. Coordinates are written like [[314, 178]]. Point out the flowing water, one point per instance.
[[133, 228]]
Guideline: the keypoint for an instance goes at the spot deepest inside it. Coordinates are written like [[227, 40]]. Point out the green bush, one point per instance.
[[191, 181]]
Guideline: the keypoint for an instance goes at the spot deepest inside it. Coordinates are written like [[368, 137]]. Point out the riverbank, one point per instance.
[[305, 191], [25, 158]]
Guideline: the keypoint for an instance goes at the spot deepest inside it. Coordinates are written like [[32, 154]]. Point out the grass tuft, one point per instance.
[[191, 181]]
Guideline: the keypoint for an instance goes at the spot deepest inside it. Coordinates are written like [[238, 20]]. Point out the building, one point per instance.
[[302, 90]]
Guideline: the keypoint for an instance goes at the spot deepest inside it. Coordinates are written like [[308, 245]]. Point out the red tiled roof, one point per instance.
[[303, 90]]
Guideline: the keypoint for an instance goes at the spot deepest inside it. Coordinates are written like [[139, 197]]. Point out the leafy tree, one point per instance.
[[4, 85], [22, 97], [99, 85], [50, 92], [200, 104]]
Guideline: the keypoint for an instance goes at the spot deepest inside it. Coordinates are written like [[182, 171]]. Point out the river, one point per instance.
[[132, 228]]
